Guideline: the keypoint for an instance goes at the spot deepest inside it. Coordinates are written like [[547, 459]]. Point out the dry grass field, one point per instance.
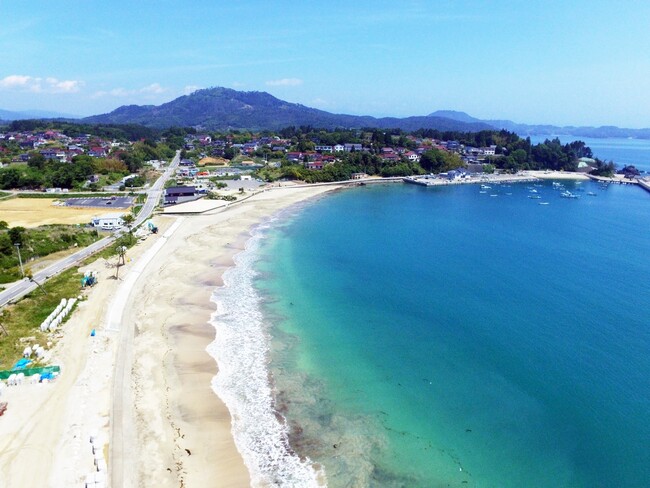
[[32, 212]]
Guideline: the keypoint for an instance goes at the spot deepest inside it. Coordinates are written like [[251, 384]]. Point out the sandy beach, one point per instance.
[[146, 372]]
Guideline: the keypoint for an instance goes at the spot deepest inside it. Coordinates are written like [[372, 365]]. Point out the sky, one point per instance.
[[572, 62]]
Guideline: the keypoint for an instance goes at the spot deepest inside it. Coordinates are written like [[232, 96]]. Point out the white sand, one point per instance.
[[175, 430]]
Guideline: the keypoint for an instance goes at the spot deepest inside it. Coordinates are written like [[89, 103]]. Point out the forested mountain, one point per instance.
[[223, 108]]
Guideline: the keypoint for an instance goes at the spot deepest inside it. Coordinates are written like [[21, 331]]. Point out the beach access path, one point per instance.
[[122, 436]]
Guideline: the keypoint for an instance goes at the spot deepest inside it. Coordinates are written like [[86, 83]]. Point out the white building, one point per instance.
[[108, 221]]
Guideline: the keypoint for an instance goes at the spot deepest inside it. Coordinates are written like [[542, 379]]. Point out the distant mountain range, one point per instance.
[[224, 108], [9, 116], [546, 130]]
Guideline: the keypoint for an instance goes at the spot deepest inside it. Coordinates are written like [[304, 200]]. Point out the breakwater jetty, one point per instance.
[[431, 180], [641, 182], [645, 184]]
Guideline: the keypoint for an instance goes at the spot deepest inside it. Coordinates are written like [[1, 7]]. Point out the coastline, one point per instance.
[[184, 428], [178, 431]]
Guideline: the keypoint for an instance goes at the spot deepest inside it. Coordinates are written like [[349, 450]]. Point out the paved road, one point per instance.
[[155, 192], [25, 286]]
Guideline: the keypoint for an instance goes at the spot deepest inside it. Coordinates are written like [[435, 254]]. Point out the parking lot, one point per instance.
[[103, 202]]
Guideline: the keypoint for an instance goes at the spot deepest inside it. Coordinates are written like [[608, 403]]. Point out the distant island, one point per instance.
[[545, 129], [226, 109]]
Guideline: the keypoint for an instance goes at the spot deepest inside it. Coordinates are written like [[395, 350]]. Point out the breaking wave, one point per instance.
[[241, 349]]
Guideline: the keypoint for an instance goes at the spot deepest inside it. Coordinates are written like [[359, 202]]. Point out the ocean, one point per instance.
[[401, 336]]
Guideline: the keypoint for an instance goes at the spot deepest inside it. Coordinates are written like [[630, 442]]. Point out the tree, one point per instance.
[[16, 235], [136, 181], [230, 152], [437, 161], [36, 160], [3, 225], [128, 220], [603, 169], [9, 178]]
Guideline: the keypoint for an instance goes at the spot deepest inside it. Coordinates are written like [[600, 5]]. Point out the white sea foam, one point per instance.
[[241, 351]]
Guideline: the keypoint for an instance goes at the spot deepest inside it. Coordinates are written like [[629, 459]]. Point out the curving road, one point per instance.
[[25, 285]]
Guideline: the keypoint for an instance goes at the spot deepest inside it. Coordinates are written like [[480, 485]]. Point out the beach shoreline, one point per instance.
[[184, 427], [178, 431]]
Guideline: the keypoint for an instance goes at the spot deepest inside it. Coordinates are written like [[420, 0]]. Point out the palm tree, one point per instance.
[[29, 275], [128, 220]]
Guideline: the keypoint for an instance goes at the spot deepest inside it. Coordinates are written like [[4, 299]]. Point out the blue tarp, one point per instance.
[[21, 364]]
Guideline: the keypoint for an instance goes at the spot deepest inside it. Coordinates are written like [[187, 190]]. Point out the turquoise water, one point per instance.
[[622, 151], [444, 337]]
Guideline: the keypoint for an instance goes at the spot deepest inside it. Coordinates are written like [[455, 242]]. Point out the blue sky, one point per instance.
[[573, 62]]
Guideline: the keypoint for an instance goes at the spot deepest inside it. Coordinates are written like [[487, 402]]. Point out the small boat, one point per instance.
[[494, 195], [485, 187], [568, 194], [592, 194], [536, 197], [482, 191], [543, 203]]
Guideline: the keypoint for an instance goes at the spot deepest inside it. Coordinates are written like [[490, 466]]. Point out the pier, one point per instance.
[[642, 182], [429, 180], [645, 184]]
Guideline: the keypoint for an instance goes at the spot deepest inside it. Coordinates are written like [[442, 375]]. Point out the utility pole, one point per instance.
[[20, 259]]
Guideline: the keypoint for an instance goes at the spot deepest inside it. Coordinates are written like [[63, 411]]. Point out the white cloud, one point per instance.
[[40, 85], [190, 89], [13, 81], [63, 86], [150, 91], [285, 82], [154, 89]]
